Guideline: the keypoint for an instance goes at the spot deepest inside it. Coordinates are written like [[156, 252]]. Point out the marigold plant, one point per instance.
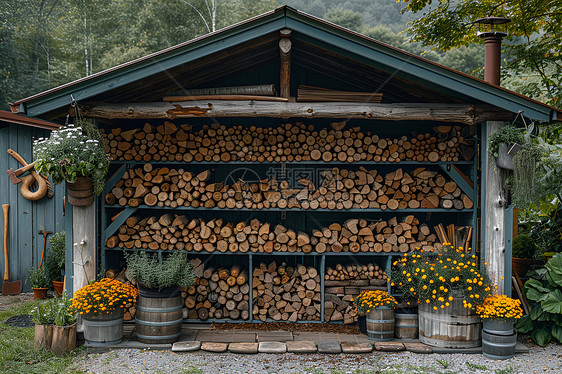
[[436, 279], [103, 297], [367, 300], [500, 307]]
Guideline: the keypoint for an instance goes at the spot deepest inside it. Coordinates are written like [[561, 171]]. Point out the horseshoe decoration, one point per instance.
[[28, 181]]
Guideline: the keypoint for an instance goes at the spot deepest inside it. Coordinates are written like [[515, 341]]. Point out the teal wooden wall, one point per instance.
[[26, 217]]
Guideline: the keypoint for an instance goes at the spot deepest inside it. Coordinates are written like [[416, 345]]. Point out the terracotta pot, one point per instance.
[[59, 287], [81, 193], [64, 339], [40, 293], [521, 265]]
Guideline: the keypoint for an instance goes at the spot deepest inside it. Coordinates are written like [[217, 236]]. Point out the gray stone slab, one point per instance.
[[389, 346], [245, 348], [418, 348], [214, 347], [329, 346], [226, 336], [356, 347], [272, 347], [274, 336], [301, 347], [186, 346]]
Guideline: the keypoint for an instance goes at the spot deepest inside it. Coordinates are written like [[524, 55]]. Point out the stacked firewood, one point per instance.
[[354, 272], [130, 308], [286, 293], [338, 189], [170, 232], [287, 142], [218, 293]]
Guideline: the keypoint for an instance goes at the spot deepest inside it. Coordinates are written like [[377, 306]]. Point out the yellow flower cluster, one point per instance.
[[436, 278], [103, 297], [500, 307], [367, 300]]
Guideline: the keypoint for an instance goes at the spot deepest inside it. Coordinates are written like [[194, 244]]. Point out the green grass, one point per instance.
[[17, 354], [472, 366], [507, 370]]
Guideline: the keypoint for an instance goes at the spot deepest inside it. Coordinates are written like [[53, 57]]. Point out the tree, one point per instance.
[[532, 46], [344, 17]]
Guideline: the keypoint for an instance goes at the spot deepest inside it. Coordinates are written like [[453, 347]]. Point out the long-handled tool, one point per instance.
[[8, 288], [45, 233]]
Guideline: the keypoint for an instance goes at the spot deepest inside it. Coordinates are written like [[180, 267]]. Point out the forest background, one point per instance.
[[46, 43]]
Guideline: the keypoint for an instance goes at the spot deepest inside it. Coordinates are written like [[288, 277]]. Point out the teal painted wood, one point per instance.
[[26, 218]]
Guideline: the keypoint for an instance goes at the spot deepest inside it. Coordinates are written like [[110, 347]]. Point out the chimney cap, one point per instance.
[[489, 31]]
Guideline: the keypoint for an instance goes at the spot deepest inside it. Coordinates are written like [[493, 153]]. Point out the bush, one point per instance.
[[56, 256], [523, 247], [175, 270], [508, 134], [38, 278]]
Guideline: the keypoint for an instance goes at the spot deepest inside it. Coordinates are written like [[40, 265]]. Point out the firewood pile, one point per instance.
[[218, 293], [286, 142], [130, 308], [177, 232], [286, 293], [338, 189], [343, 283]]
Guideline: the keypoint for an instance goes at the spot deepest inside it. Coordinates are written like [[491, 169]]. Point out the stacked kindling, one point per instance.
[[338, 189], [287, 142], [286, 293], [219, 293], [177, 232]]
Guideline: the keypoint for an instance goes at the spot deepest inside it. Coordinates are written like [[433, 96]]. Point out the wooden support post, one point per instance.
[[285, 71], [84, 245]]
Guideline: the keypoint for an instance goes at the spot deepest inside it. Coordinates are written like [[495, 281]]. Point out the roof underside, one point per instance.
[[322, 55]]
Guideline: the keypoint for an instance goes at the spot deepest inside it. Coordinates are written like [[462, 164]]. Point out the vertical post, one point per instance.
[[285, 70], [69, 250], [84, 245], [508, 250]]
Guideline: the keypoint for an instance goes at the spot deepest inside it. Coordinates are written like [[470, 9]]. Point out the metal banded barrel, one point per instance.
[[406, 326], [380, 324], [158, 319], [498, 339], [105, 329], [451, 327]]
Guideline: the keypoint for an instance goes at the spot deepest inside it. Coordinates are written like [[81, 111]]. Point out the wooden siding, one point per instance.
[[26, 218]]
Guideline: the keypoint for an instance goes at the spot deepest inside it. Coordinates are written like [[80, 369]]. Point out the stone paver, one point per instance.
[[389, 346], [329, 346], [246, 348], [356, 347], [226, 336], [274, 336], [187, 346], [214, 347], [272, 347], [418, 348], [301, 347]]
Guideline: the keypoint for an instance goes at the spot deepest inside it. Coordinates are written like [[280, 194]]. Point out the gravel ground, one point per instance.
[[547, 359]]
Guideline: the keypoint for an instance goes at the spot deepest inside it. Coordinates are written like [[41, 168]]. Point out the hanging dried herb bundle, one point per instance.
[[523, 188]]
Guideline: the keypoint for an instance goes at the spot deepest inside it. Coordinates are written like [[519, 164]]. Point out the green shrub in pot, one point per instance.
[[38, 278], [524, 247], [175, 270]]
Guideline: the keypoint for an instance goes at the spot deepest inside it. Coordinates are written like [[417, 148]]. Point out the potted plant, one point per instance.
[[379, 308], [498, 314], [101, 306], [55, 260], [39, 282], [55, 325], [159, 300], [501, 142], [75, 154], [523, 250], [443, 284]]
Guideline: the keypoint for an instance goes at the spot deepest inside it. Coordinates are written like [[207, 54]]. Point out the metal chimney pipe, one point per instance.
[[492, 42]]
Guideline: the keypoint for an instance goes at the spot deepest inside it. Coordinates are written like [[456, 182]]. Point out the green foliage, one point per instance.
[[72, 152], [64, 316], [344, 17], [55, 259], [174, 270], [523, 246], [38, 278], [532, 48], [55, 311], [508, 134], [522, 184], [544, 322]]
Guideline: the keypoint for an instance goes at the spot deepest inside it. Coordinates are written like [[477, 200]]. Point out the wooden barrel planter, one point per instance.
[[43, 336], [81, 192], [380, 324], [159, 316], [406, 325], [64, 339], [452, 327], [498, 340], [105, 329]]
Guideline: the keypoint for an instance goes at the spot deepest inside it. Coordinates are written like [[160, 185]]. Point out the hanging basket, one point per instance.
[[505, 155], [81, 193]]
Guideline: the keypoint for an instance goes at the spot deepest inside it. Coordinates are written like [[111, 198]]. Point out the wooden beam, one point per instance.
[[285, 70], [459, 113]]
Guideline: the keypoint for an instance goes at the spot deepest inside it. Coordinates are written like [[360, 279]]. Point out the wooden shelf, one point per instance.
[[327, 164], [258, 253]]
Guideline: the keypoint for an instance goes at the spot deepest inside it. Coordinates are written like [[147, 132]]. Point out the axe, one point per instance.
[[14, 174]]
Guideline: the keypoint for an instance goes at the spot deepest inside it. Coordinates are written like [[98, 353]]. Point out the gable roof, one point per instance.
[[8, 117], [319, 46]]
